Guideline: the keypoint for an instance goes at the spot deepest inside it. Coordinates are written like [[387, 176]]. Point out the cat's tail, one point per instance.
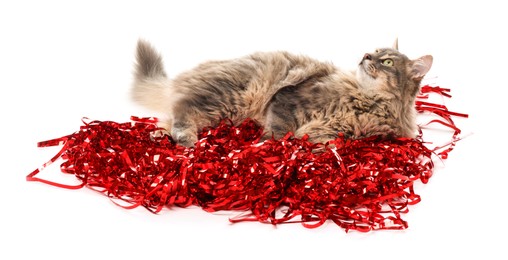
[[151, 87]]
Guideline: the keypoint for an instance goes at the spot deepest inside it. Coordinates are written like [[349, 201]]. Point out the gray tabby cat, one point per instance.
[[285, 92]]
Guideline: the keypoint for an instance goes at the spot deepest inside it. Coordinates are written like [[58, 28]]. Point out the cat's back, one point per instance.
[[247, 84], [263, 71], [270, 67]]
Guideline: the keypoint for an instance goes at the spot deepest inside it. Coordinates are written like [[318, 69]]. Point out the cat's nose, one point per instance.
[[367, 56]]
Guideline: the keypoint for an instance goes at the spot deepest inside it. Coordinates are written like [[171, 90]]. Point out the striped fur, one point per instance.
[[285, 93]]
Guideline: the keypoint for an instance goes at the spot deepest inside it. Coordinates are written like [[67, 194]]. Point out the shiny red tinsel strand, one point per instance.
[[358, 184]]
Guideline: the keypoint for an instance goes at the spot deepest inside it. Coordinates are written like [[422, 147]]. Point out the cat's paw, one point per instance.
[[159, 134]]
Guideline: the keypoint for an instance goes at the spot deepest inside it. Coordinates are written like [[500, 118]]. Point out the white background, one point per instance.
[[61, 61]]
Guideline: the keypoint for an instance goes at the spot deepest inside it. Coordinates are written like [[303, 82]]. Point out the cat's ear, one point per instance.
[[421, 66], [396, 44]]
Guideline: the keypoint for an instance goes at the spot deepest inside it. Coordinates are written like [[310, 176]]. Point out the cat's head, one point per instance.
[[387, 69]]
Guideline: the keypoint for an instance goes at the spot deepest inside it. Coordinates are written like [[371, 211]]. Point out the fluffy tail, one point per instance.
[[151, 87]]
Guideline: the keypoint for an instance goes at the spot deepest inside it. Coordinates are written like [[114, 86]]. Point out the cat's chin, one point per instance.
[[365, 80]]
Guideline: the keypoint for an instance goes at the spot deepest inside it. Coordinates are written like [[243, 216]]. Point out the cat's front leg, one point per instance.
[[318, 131], [279, 121]]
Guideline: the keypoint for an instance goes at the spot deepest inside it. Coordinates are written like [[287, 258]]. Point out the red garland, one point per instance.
[[358, 184]]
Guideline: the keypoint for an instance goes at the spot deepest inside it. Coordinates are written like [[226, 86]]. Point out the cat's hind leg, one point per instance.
[[183, 124], [184, 132], [279, 121]]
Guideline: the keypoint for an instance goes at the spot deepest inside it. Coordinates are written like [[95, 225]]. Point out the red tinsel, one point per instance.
[[359, 184]]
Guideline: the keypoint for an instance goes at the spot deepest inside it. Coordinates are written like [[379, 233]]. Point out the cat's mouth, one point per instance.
[[367, 66]]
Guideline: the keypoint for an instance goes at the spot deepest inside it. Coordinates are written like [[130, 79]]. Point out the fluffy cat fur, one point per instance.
[[285, 93]]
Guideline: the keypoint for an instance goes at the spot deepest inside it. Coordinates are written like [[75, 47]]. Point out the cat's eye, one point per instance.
[[388, 62]]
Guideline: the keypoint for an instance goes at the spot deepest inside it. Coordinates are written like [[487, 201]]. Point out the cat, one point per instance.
[[285, 93]]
